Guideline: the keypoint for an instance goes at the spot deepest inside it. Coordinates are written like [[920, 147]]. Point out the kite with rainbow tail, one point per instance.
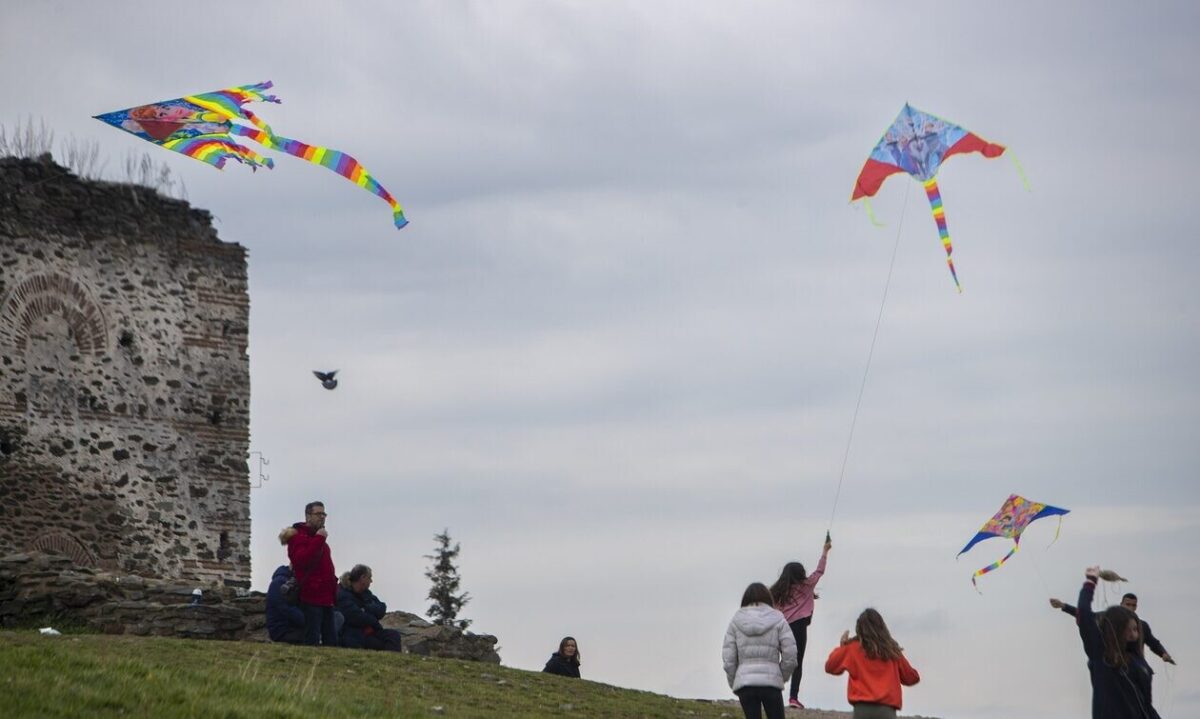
[[918, 143], [202, 126], [1012, 519]]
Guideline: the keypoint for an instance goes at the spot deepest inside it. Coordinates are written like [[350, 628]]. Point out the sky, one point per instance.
[[618, 350]]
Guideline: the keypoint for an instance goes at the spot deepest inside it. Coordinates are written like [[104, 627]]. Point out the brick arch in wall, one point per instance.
[[44, 294], [64, 545]]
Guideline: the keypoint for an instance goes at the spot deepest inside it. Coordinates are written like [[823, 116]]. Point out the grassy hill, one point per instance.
[[103, 676], [96, 676]]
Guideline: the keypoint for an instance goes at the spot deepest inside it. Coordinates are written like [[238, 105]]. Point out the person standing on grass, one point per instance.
[[759, 653], [876, 665], [565, 662], [794, 593], [308, 549]]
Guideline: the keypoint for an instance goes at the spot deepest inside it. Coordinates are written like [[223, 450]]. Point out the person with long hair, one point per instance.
[[565, 662], [794, 593], [876, 665], [759, 652], [1112, 642]]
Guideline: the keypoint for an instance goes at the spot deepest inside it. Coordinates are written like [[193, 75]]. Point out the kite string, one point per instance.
[[870, 354]]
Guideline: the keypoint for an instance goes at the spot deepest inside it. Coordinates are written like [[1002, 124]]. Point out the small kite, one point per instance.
[[1010, 521], [202, 126], [918, 143]]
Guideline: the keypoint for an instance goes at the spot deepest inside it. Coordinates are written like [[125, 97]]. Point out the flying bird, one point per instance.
[[327, 380]]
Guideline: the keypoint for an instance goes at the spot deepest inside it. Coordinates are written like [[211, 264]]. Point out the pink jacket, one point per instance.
[[800, 604]]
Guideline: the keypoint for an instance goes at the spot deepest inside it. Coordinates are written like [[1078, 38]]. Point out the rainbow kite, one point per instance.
[[201, 126], [1010, 521], [918, 143]]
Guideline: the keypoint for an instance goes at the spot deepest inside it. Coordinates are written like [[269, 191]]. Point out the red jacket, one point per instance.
[[871, 680], [313, 564]]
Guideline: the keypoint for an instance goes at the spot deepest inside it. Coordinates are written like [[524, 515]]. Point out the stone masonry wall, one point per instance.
[[124, 379]]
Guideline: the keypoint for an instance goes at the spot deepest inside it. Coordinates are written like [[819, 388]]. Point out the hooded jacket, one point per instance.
[[281, 616], [313, 564], [560, 665], [759, 648], [362, 612], [876, 681]]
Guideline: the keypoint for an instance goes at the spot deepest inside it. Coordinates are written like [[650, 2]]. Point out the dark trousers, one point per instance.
[[294, 635], [867, 710], [387, 640], [318, 625], [800, 632], [756, 700]]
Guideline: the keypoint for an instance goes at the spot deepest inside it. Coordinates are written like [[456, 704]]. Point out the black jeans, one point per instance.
[[755, 700], [318, 625], [800, 632]]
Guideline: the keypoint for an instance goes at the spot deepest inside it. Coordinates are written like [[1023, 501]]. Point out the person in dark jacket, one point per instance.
[[312, 562], [1130, 602], [565, 662], [285, 622], [1120, 675], [362, 611]]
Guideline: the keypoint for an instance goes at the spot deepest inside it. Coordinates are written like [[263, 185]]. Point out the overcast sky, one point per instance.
[[617, 350]]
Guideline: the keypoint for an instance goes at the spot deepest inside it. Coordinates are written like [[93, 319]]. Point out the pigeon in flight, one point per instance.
[[327, 380]]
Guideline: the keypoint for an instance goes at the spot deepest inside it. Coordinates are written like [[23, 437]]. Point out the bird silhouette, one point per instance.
[[327, 380]]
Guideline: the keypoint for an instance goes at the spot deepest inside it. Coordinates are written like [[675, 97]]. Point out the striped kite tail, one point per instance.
[[335, 160], [994, 565], [939, 216]]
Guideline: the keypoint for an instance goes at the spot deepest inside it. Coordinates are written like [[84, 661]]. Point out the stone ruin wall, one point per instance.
[[124, 379]]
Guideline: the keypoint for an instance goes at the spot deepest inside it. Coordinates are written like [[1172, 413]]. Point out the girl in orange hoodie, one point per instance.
[[877, 668]]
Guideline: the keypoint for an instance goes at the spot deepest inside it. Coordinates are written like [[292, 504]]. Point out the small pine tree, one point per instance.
[[444, 575]]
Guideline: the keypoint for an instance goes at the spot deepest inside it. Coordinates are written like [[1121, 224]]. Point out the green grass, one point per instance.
[[98, 676]]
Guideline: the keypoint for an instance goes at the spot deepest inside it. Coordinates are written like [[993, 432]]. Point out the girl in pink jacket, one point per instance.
[[794, 593]]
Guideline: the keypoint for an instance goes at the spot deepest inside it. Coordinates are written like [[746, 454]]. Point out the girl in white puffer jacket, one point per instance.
[[759, 652]]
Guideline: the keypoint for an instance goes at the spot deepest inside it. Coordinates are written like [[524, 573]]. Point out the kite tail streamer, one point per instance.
[[871, 213], [335, 160], [215, 151], [1020, 170], [1056, 532], [994, 565], [939, 216]]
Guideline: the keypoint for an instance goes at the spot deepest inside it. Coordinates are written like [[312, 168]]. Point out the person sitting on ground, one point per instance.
[[565, 662], [285, 622], [876, 665], [362, 611], [1120, 675], [759, 652]]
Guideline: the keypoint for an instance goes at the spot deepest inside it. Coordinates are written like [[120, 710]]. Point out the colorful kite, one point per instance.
[[918, 143], [1010, 521], [201, 126]]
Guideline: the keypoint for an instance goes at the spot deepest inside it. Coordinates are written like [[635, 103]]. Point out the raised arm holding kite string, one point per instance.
[[202, 127]]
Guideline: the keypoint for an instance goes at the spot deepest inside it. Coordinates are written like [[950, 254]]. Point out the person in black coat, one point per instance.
[[565, 662], [362, 611], [1130, 602], [1120, 675], [285, 622]]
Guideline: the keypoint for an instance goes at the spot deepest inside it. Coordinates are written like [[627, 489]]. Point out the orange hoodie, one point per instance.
[[871, 680]]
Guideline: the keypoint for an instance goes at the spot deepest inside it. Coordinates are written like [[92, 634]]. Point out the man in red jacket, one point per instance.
[[312, 562]]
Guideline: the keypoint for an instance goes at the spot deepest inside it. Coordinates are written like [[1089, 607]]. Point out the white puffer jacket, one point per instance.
[[759, 650]]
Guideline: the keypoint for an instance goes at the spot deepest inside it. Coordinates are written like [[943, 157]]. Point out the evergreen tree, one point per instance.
[[444, 575]]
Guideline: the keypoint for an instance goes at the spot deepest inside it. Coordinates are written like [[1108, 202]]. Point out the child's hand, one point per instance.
[[828, 544], [1056, 603], [845, 637], [1092, 573]]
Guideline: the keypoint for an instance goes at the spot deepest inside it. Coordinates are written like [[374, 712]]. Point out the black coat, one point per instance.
[[562, 666], [362, 612], [1148, 637], [281, 616], [1117, 692]]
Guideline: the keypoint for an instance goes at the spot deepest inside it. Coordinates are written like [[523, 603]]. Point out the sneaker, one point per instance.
[[794, 703]]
